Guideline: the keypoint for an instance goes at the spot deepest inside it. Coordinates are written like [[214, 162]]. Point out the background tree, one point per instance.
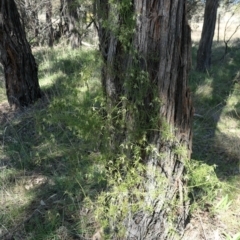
[[29, 10], [49, 22], [69, 10], [146, 63], [20, 69], [193, 7], [66, 19], [205, 46]]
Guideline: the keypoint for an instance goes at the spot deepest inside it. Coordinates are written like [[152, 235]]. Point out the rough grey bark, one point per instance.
[[160, 47], [20, 69], [205, 46]]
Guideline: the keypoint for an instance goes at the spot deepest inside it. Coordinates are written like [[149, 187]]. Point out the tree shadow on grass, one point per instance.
[[213, 94], [55, 140]]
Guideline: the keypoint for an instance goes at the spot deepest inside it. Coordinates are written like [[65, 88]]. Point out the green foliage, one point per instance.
[[59, 139], [223, 204], [120, 20], [127, 23], [66, 137], [129, 191], [124, 196], [235, 237], [203, 183]]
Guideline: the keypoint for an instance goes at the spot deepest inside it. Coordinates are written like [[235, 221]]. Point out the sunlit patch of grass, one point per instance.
[[14, 197], [228, 131], [230, 216], [49, 80], [58, 138], [204, 92], [216, 141]]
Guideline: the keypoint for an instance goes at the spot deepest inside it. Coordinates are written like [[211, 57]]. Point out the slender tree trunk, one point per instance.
[[75, 38], [34, 17], [205, 45], [49, 22], [20, 68], [149, 70], [62, 21]]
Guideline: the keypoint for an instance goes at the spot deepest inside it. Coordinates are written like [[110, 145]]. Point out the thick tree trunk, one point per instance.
[[205, 45], [20, 68], [155, 66]]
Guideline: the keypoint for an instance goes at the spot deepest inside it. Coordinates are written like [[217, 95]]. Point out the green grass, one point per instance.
[[57, 140], [216, 140], [53, 158], [216, 102]]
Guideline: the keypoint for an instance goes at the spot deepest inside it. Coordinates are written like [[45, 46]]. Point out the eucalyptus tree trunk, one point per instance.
[[205, 46], [146, 74], [20, 69]]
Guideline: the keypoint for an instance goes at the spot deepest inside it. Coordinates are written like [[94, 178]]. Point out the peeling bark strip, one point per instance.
[[205, 46], [160, 47], [20, 68]]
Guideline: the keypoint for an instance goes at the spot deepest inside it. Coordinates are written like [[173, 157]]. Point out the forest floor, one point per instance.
[[46, 170], [216, 141]]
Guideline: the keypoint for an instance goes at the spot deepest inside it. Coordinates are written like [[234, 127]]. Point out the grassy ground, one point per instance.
[[216, 140], [51, 169], [48, 153]]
